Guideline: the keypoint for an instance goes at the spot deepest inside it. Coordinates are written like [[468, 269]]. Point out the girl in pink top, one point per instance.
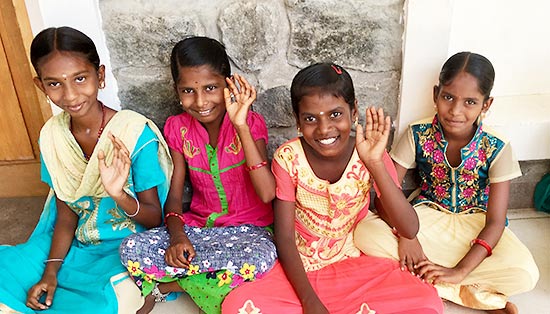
[[324, 179], [223, 240]]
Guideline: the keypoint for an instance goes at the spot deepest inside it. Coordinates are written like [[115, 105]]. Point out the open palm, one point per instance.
[[239, 96], [114, 177], [372, 139]]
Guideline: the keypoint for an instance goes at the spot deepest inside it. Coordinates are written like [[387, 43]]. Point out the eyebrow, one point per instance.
[[68, 76]]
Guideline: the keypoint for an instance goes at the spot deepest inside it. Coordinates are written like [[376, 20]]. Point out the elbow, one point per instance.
[[267, 196]]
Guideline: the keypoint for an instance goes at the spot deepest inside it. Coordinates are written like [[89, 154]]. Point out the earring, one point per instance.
[[181, 104], [356, 122], [299, 131], [102, 85]]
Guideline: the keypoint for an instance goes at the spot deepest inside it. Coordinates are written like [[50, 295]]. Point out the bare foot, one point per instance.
[[510, 308], [148, 305]]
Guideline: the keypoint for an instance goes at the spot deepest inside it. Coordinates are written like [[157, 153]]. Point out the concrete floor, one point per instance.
[[19, 215]]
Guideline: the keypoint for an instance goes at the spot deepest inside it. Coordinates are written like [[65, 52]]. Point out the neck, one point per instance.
[[92, 121]]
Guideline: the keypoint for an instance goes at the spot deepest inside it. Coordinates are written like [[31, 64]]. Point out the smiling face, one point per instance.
[[200, 90], [325, 122], [459, 104], [70, 81]]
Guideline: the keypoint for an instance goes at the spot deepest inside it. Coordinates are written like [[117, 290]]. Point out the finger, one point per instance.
[[359, 136], [192, 254], [380, 119], [101, 161], [121, 146], [227, 97], [402, 264], [49, 297], [368, 119], [387, 125], [410, 265]]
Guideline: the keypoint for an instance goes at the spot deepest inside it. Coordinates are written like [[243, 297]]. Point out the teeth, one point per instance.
[[328, 141], [204, 112]]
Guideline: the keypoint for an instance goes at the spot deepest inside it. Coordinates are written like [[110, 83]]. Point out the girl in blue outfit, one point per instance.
[[108, 172]]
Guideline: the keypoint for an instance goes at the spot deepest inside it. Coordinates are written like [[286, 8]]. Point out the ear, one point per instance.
[[297, 120], [354, 111], [101, 75], [435, 93], [38, 82], [487, 104]]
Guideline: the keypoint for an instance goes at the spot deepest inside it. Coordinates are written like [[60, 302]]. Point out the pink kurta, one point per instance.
[[223, 194], [345, 280]]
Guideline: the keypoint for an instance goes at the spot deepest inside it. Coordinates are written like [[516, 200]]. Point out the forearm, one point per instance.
[[395, 208], [142, 209], [63, 235], [262, 178]]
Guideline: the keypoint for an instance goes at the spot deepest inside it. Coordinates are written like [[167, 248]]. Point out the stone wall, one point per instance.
[[268, 41]]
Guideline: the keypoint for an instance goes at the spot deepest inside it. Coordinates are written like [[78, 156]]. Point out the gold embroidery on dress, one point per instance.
[[235, 146], [87, 231], [120, 221], [188, 149]]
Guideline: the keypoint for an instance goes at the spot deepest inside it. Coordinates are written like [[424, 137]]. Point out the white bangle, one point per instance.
[[53, 260], [137, 210]]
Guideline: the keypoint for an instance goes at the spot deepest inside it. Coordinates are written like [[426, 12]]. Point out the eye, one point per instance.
[[309, 119], [210, 88], [186, 90], [53, 84], [448, 97], [335, 114], [80, 79], [470, 102]]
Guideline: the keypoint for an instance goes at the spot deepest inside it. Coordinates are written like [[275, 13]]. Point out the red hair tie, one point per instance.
[[337, 69]]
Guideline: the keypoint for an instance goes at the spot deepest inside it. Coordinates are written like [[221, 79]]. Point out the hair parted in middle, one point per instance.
[[322, 78]]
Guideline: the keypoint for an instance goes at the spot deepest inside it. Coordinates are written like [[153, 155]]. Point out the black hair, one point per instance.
[[62, 39], [324, 78], [197, 51], [472, 63]]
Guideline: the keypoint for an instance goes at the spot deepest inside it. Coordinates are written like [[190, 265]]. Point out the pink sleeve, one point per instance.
[[172, 133], [388, 163], [285, 188], [258, 129]]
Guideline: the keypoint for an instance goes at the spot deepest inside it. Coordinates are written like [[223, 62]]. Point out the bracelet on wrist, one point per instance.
[[54, 260], [137, 210], [484, 244], [172, 214], [256, 166]]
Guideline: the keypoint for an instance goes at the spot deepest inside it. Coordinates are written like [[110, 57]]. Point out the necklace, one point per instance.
[[99, 132]]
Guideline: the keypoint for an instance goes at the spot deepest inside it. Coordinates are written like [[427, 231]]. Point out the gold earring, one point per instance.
[[299, 131], [102, 85], [356, 122]]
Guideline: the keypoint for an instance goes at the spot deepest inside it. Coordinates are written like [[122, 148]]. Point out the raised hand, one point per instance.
[[114, 177], [371, 140], [239, 96]]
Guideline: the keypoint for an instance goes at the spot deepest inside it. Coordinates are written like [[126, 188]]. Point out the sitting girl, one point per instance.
[[223, 240], [323, 182], [68, 263], [465, 170]]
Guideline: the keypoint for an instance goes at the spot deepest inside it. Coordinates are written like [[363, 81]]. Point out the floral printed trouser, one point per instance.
[[225, 257]]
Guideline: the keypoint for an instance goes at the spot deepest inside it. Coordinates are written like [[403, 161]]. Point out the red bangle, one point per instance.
[[484, 244], [257, 166], [172, 214]]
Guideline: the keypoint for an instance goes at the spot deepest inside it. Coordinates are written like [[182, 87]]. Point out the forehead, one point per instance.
[[320, 103], [198, 75], [63, 63], [464, 84]]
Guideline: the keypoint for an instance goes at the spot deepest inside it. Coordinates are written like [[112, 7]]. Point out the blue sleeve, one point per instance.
[[146, 170], [44, 173]]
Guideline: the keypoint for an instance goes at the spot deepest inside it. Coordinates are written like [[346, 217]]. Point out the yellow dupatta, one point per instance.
[[72, 175]]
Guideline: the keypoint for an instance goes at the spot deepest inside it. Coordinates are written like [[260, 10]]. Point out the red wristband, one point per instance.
[[484, 244], [172, 214], [257, 166]]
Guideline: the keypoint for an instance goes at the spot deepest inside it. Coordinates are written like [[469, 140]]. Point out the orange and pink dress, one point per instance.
[[345, 280]]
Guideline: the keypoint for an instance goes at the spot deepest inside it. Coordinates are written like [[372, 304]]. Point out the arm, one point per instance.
[[290, 258], [114, 178], [371, 145], [63, 235], [494, 227], [255, 152], [179, 243]]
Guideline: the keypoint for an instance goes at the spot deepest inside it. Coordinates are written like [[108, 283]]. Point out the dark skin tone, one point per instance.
[[325, 122], [72, 83]]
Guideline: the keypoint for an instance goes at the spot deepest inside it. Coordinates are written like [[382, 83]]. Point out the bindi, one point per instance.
[[64, 76]]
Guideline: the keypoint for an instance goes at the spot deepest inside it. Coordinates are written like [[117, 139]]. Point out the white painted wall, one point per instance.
[[83, 15], [512, 34]]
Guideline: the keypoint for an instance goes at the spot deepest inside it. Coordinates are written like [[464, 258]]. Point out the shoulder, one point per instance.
[[422, 123], [288, 150], [494, 134]]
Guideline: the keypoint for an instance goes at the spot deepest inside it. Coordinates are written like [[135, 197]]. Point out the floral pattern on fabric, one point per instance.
[[460, 189], [189, 150], [235, 146]]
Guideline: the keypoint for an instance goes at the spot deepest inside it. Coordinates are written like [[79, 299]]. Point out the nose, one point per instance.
[[69, 93], [324, 125], [455, 108], [201, 99]]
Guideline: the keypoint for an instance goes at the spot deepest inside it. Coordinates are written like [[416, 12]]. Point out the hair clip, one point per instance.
[[337, 69]]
